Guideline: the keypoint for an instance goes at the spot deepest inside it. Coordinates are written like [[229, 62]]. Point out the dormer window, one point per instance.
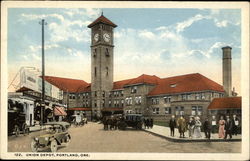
[[173, 85]]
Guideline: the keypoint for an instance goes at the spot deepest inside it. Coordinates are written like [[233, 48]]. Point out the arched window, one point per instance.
[[107, 71], [107, 52]]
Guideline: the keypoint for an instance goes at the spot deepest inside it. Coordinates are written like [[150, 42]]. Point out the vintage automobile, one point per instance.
[[131, 120], [56, 134], [16, 119]]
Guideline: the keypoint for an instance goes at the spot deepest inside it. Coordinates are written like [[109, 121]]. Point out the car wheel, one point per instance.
[[17, 130], [34, 146], [67, 140], [53, 146]]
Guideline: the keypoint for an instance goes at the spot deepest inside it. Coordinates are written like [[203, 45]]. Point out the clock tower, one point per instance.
[[102, 47]]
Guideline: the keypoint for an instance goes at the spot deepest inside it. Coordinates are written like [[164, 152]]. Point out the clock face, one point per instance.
[[96, 37], [106, 37]]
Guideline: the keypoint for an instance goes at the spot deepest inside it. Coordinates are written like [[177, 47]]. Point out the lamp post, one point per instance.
[[43, 71]]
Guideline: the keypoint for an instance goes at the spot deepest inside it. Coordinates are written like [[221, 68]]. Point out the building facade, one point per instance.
[[149, 95]]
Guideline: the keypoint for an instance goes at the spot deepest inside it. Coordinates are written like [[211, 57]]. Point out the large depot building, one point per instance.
[[189, 94]]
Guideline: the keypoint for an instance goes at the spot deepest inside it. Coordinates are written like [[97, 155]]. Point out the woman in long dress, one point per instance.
[[197, 128], [222, 127]]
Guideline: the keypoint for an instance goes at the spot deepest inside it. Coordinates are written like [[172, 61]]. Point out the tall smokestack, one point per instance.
[[227, 70]]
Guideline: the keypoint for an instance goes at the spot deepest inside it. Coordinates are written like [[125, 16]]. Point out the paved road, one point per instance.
[[92, 138]]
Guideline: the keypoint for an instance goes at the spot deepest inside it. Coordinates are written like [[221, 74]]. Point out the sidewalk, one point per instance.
[[164, 132]]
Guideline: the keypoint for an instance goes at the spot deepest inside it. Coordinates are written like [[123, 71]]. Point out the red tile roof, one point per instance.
[[119, 84], [66, 84], [185, 83], [102, 19], [145, 79], [84, 88], [225, 103], [80, 109]]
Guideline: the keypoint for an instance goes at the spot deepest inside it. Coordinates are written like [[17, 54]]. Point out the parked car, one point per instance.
[[56, 134], [131, 120], [16, 119]]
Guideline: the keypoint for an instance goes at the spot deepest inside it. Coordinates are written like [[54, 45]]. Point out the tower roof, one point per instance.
[[104, 20]]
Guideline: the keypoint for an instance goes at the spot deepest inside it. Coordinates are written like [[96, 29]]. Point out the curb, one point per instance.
[[191, 140]]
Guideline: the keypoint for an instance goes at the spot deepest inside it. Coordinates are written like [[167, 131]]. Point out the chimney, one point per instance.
[[227, 70]]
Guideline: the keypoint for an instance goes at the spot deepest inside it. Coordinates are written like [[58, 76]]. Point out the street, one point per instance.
[[92, 138]]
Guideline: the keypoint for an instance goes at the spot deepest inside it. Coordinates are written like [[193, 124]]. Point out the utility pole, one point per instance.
[[43, 71]]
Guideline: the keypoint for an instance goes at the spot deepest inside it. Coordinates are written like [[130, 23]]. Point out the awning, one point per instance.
[[80, 109], [59, 111]]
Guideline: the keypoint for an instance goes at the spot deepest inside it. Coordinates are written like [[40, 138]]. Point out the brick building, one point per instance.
[[149, 95]]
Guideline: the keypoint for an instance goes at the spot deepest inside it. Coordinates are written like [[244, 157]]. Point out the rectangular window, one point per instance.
[[121, 93], [134, 89], [168, 110], [167, 99], [122, 103], [95, 104], [177, 110], [156, 110], [128, 101], [95, 93], [188, 96], [109, 103], [196, 110], [103, 93], [193, 112], [203, 96], [184, 97], [110, 94], [199, 111], [182, 110], [197, 96]]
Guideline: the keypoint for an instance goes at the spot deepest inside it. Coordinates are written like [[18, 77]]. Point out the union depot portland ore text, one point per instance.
[[87, 80]]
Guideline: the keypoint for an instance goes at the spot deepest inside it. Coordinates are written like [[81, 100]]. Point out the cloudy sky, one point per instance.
[[162, 42]]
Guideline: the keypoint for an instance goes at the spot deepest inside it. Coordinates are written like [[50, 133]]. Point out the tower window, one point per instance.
[[107, 52], [95, 52], [107, 71], [95, 71]]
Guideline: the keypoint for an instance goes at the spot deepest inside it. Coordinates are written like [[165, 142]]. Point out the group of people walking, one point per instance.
[[226, 127], [149, 123], [110, 122]]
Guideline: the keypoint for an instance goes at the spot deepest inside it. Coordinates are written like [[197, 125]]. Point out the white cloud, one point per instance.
[[146, 34], [42, 16], [187, 23]]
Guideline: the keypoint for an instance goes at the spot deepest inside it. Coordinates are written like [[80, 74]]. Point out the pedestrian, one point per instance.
[[236, 124], [172, 125], [221, 127], [228, 127], [207, 128], [147, 123], [197, 128], [151, 123], [181, 123], [214, 124], [191, 124]]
